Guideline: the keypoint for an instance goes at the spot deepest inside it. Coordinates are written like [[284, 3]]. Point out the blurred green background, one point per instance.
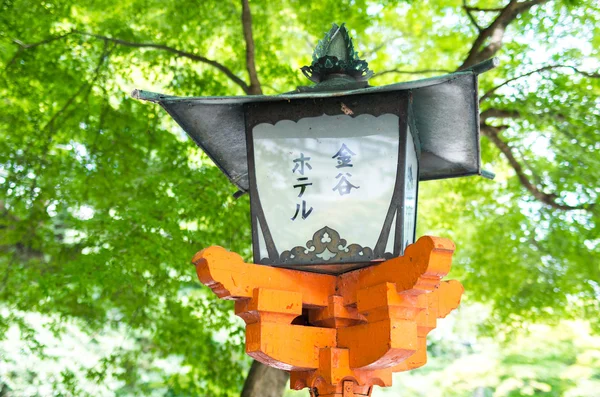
[[103, 199]]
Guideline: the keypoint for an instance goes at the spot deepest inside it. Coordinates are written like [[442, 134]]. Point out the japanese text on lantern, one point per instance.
[[344, 160], [301, 165]]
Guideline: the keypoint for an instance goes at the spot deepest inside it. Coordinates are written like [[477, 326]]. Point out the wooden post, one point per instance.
[[361, 325]]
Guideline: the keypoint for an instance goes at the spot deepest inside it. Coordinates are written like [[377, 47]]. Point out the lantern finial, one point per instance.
[[335, 54]]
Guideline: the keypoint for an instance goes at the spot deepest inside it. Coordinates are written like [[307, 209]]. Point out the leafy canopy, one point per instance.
[[103, 201]]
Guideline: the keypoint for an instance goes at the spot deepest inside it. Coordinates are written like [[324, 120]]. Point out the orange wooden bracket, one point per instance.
[[338, 335]]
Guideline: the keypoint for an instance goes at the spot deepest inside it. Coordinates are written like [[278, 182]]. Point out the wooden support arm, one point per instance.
[[359, 327]]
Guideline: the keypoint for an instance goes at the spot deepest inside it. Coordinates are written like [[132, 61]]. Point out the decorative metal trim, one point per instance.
[[326, 246], [335, 54]]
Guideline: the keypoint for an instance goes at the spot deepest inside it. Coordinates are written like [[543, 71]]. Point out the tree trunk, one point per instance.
[[263, 381]]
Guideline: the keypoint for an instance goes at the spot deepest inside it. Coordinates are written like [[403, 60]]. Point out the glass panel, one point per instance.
[[391, 238], [261, 241], [326, 179], [411, 180]]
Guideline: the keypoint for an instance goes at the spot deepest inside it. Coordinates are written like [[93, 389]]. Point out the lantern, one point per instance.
[[333, 170]]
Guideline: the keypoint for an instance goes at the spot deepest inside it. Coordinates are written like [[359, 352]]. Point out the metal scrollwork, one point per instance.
[[326, 246], [335, 54]]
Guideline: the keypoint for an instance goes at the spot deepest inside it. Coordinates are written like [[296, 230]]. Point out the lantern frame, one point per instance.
[[442, 113], [347, 255]]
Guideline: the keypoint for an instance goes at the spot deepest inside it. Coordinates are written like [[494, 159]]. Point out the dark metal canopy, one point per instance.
[[446, 111]]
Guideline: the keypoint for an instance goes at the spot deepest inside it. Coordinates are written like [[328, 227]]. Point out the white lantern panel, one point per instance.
[[334, 174]]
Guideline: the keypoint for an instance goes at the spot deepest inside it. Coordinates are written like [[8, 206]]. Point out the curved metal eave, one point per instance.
[[446, 109], [410, 85]]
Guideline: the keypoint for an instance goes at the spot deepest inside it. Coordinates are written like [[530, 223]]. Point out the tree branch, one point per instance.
[[471, 17], [493, 133], [481, 51], [87, 84], [25, 46], [264, 381], [480, 9], [162, 47], [550, 199], [499, 113], [367, 54], [255, 88], [539, 70], [50, 124]]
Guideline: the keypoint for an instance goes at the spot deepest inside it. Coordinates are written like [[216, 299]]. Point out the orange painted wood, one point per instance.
[[231, 278], [421, 268], [288, 347], [338, 335]]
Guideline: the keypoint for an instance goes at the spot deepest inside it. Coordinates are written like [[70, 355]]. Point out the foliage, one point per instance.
[[543, 361], [103, 201]]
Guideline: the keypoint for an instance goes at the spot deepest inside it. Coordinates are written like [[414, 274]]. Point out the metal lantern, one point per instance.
[[333, 170]]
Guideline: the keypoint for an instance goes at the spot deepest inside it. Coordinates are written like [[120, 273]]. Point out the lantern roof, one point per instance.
[[445, 111]]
